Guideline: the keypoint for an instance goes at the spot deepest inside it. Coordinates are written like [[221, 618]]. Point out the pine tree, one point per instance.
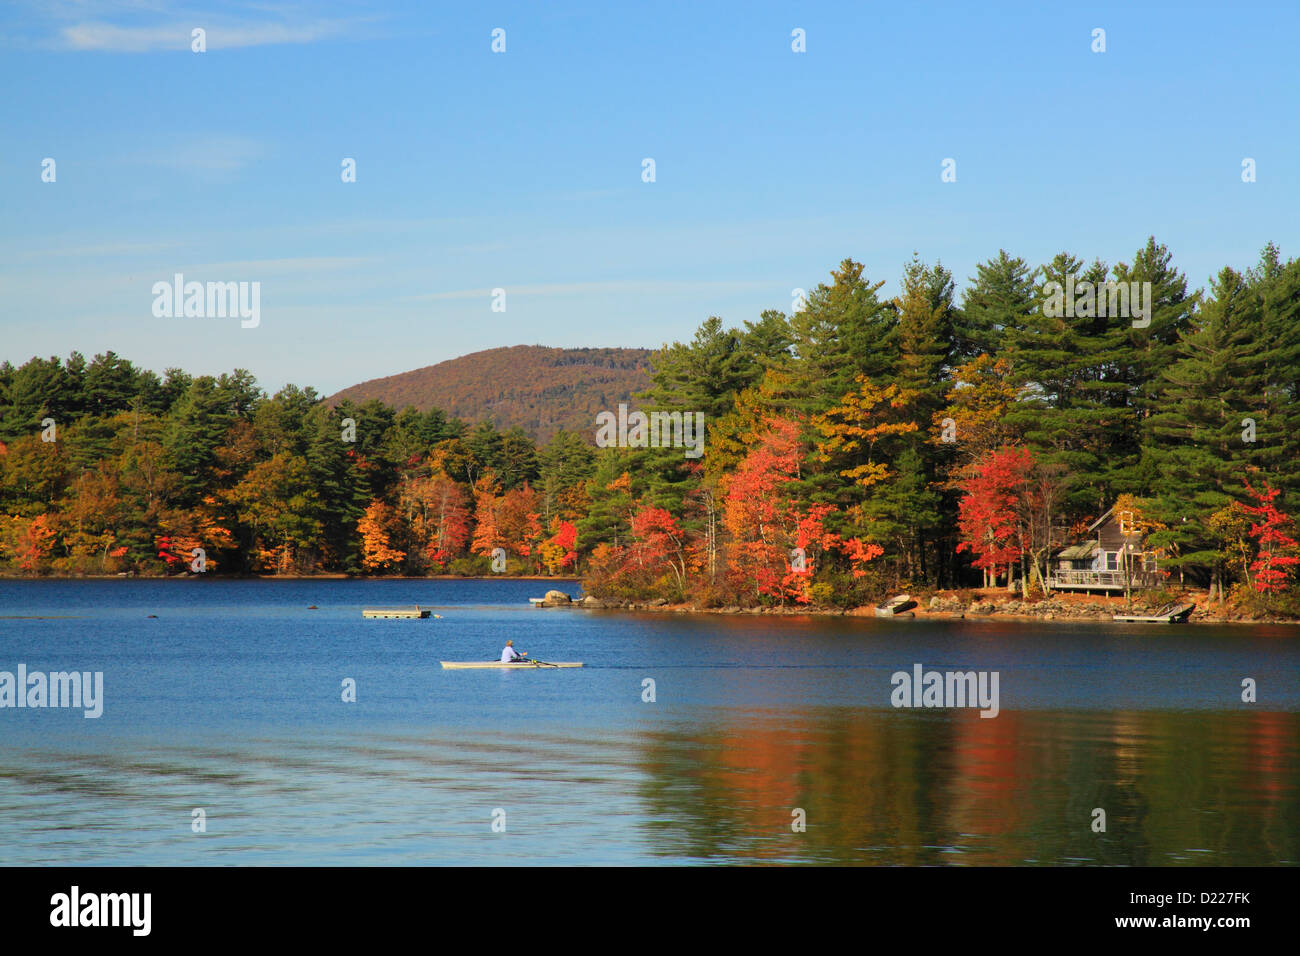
[[1278, 286], [1195, 439], [1072, 413], [845, 332], [913, 503], [1000, 298]]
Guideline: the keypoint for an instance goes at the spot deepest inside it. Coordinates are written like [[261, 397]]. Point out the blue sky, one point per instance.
[[522, 170]]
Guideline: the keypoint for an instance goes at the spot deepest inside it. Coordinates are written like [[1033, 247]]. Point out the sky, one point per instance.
[[524, 170]]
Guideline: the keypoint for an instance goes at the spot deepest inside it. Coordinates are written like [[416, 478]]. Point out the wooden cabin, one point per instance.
[[1097, 563]]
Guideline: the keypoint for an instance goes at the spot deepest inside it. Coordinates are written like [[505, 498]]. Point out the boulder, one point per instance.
[[556, 599]]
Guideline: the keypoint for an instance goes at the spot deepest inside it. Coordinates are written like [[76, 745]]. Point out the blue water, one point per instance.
[[230, 700]]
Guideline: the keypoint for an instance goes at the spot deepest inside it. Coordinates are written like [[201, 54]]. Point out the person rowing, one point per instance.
[[509, 655]]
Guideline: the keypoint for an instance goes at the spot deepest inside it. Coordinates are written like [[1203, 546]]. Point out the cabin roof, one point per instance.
[[1078, 552], [1100, 521]]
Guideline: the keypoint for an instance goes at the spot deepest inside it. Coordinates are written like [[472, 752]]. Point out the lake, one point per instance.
[[768, 740]]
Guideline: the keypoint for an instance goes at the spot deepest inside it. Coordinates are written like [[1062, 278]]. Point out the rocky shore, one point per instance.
[[976, 605]]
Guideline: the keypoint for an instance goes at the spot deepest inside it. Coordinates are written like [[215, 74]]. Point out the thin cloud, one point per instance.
[[111, 38], [208, 154], [102, 250], [625, 286], [294, 266]]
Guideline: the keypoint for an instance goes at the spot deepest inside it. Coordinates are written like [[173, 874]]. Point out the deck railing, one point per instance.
[[1103, 579]]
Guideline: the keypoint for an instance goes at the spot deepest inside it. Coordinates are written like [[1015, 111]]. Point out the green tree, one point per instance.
[[1001, 296], [845, 332], [1195, 440]]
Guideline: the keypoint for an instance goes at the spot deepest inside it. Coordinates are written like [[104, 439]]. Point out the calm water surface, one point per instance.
[[230, 700]]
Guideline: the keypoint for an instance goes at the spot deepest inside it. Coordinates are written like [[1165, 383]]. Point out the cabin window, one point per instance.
[[1112, 560]]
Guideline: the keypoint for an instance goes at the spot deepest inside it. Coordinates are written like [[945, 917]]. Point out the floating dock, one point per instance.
[[1169, 614], [411, 613]]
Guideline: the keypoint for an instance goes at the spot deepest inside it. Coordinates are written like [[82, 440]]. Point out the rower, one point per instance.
[[509, 655]]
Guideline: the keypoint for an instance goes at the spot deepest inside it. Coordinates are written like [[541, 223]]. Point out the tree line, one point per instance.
[[857, 445]]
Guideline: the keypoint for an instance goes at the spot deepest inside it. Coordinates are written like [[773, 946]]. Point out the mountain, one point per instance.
[[539, 389]]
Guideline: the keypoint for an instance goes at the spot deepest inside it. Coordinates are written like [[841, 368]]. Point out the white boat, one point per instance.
[[513, 665], [896, 606]]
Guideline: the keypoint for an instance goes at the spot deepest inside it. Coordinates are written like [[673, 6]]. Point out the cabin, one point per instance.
[[1098, 563]]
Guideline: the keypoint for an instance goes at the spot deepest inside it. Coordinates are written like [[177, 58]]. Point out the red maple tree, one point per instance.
[[988, 513], [769, 526], [1274, 565]]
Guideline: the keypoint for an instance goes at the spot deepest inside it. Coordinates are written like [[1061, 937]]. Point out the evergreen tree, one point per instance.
[[845, 332], [1000, 299], [1278, 286], [1195, 434], [701, 376]]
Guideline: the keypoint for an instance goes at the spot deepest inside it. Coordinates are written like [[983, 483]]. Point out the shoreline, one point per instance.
[[329, 576], [971, 604], [1056, 609]]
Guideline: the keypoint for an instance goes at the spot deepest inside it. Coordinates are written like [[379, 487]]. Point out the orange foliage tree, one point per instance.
[[438, 516], [375, 526], [28, 541], [559, 551]]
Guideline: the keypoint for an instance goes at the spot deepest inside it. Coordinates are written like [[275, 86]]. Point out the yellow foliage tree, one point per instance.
[[732, 437], [978, 401], [852, 428]]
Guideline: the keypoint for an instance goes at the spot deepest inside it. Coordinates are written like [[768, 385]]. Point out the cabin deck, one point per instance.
[[1071, 580]]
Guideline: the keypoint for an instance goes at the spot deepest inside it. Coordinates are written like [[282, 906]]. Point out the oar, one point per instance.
[[544, 663]]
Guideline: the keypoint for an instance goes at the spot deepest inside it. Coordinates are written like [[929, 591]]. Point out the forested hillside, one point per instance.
[[541, 390], [858, 446]]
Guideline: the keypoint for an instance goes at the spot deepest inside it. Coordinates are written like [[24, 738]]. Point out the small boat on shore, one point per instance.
[[1169, 614], [896, 606], [513, 665]]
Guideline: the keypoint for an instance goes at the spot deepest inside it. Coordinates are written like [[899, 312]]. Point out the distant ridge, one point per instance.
[[539, 389]]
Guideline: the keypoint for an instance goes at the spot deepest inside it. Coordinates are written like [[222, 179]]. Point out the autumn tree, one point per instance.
[[659, 547], [1277, 557], [26, 541], [376, 528], [559, 551], [989, 521], [278, 503]]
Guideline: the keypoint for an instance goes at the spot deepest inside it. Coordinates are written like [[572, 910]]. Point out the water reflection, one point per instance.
[[942, 787], [717, 785]]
